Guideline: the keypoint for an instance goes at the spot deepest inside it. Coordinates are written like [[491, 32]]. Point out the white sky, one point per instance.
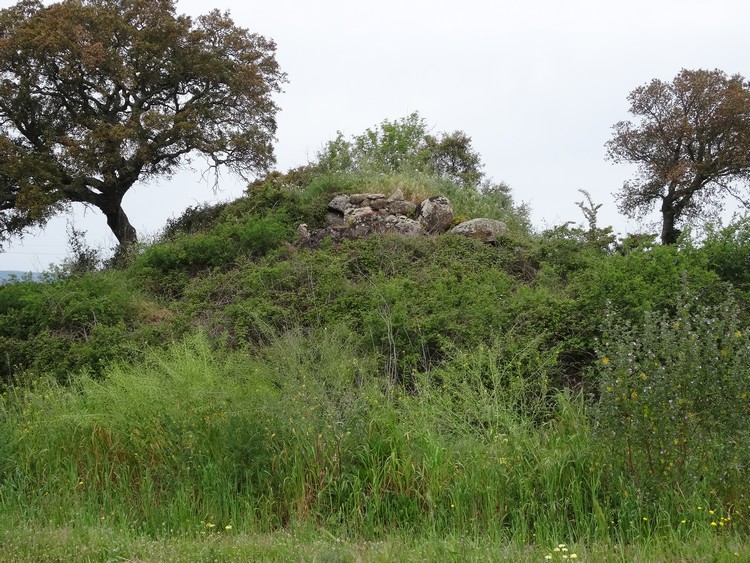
[[536, 84]]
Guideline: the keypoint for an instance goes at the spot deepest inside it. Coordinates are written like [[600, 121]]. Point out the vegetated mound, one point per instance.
[[369, 385], [81, 320], [241, 272]]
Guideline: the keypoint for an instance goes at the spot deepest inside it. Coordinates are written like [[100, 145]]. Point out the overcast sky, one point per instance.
[[536, 84]]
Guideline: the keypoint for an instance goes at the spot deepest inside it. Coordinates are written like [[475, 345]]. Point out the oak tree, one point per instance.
[[691, 142], [96, 95]]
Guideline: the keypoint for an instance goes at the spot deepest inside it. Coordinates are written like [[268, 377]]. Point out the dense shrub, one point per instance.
[[76, 323], [194, 219], [219, 247], [411, 301], [673, 405], [630, 285], [727, 252], [303, 432]]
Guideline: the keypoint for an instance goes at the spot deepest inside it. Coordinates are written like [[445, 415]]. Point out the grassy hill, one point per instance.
[[437, 394]]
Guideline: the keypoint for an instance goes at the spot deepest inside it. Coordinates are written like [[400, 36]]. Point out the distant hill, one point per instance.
[[7, 274]]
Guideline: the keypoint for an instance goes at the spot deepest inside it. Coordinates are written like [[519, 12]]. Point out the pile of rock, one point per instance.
[[361, 215]]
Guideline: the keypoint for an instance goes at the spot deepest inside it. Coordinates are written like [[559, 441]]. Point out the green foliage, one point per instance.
[[652, 279], [451, 157], [77, 323], [490, 200], [727, 252], [223, 244], [302, 432], [404, 146], [587, 280], [594, 235], [423, 387], [271, 198], [194, 220], [492, 389], [22, 542], [398, 155], [83, 258], [674, 399], [411, 300], [392, 147]]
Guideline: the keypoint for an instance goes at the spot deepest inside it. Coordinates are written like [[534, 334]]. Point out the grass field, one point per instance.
[[297, 453], [100, 543]]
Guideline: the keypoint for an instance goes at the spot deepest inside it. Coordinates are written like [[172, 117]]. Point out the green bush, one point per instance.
[[303, 431], [75, 323], [220, 246], [194, 219], [673, 407], [727, 252], [630, 285]]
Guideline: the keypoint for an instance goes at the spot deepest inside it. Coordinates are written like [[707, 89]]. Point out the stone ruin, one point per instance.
[[362, 215]]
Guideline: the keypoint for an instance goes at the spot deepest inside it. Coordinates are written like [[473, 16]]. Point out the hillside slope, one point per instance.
[[230, 379]]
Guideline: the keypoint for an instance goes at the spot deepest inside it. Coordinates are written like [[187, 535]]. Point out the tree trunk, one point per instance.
[[120, 224], [669, 233]]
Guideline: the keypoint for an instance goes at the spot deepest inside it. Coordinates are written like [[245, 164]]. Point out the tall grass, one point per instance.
[[303, 432]]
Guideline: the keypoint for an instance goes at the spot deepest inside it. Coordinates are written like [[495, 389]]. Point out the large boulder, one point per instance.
[[340, 203], [486, 230], [435, 214], [401, 207], [403, 226]]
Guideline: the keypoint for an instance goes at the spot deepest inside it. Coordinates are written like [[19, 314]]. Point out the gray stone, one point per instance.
[[435, 214], [356, 199], [364, 215], [356, 213], [378, 203], [335, 218], [398, 195], [401, 207], [403, 226], [303, 232], [339, 203], [486, 230]]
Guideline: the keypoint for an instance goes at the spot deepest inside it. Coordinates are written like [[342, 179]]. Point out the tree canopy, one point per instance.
[[96, 95], [406, 144], [691, 142]]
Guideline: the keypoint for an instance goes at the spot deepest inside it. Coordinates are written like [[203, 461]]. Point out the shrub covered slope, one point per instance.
[[552, 387]]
